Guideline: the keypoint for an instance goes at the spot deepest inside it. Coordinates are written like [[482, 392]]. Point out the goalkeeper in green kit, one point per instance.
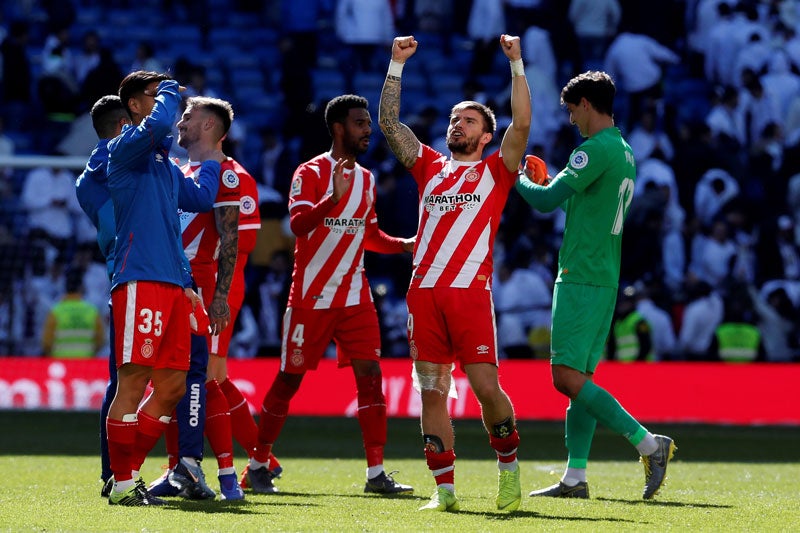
[[595, 190]]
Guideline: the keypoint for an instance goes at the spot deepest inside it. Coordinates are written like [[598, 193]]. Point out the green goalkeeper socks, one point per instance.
[[607, 410], [580, 426]]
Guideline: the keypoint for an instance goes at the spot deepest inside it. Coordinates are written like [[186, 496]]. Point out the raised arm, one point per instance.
[[401, 139], [515, 140]]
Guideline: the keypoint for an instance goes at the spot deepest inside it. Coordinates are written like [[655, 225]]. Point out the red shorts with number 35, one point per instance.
[[151, 325]]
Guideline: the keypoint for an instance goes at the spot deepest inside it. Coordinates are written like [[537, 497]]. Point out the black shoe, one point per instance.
[[560, 490], [383, 483], [108, 484], [260, 480], [191, 481]]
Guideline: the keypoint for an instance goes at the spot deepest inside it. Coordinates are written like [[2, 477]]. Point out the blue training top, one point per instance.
[[145, 188]]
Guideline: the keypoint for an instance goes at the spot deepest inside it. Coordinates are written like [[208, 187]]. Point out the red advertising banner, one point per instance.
[[716, 393]]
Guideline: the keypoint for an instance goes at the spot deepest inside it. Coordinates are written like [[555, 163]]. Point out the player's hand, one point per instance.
[[219, 314], [403, 48], [408, 244], [535, 169], [341, 181], [511, 47]]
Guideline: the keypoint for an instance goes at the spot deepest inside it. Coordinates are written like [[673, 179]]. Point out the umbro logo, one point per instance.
[[159, 158], [482, 349]]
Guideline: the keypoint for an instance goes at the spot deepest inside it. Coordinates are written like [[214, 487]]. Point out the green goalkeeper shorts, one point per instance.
[[582, 316]]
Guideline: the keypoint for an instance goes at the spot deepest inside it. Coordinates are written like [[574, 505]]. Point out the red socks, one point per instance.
[[243, 426], [506, 448], [442, 466], [218, 425], [372, 417], [121, 439]]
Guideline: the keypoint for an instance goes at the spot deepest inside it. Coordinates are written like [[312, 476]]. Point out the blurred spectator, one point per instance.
[[726, 121], [521, 14], [522, 301], [635, 62], [87, 58], [713, 255], [486, 22], [630, 337], [49, 197], [74, 327], [720, 53], [595, 23], [662, 329], [647, 137], [715, 189], [145, 58], [102, 79], [737, 339], [753, 56], [757, 106], [778, 253], [782, 84], [700, 319], [777, 322], [364, 26]]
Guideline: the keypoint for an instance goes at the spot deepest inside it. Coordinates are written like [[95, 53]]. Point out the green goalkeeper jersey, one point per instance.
[[602, 172]]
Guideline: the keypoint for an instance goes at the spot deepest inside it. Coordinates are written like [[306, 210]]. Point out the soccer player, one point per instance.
[[595, 189], [108, 117], [151, 300], [332, 213], [451, 314], [237, 238]]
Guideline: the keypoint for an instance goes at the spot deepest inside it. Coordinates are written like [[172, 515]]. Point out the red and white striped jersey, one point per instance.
[[199, 230], [460, 205], [329, 259]]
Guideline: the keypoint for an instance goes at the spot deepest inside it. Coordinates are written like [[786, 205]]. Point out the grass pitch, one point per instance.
[[723, 478]]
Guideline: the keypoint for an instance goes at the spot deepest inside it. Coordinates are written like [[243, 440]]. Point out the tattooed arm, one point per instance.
[[227, 218], [401, 139]]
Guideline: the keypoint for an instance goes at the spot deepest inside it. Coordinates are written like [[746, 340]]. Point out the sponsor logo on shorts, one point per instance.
[[482, 349], [377, 352], [297, 358], [579, 159], [230, 179], [147, 349]]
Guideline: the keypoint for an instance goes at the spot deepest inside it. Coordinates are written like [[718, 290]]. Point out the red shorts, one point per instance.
[[151, 325], [308, 332], [447, 325], [219, 344]]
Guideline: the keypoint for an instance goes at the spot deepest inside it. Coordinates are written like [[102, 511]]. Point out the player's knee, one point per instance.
[[433, 377]]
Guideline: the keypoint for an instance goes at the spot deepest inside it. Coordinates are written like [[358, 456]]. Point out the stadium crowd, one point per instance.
[[709, 97]]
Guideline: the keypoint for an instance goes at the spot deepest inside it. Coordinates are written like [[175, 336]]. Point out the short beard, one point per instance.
[[465, 146]]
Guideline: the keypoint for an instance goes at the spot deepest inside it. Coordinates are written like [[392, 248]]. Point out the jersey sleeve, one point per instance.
[[421, 170], [586, 163], [229, 186]]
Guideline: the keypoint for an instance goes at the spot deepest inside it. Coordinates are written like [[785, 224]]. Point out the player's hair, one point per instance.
[[136, 82], [339, 107], [219, 107], [106, 113], [489, 121], [597, 87]]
